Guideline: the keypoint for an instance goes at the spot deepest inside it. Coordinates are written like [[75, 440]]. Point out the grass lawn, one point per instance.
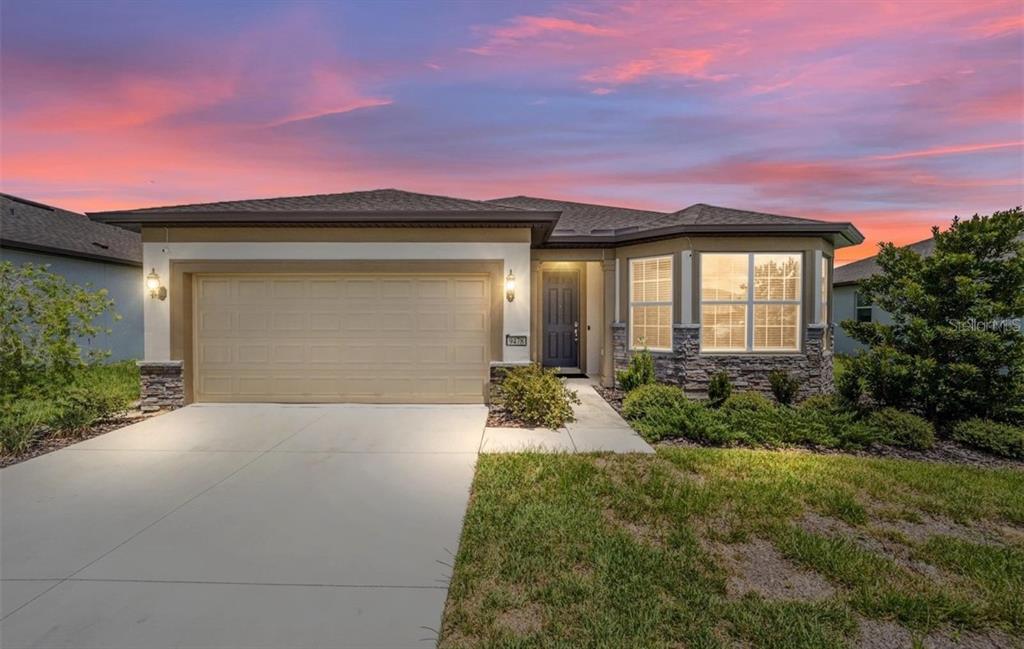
[[698, 547]]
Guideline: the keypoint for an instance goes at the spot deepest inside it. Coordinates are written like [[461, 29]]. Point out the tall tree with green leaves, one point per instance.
[[955, 348]]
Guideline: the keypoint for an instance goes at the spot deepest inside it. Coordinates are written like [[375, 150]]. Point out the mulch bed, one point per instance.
[[944, 450], [498, 417], [50, 441]]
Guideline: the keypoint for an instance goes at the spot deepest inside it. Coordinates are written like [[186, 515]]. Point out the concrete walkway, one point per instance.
[[240, 526], [597, 428]]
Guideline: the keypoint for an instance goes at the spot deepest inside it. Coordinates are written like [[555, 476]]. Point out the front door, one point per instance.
[[561, 318]]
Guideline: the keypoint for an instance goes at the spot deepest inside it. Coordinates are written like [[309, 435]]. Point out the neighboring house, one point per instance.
[[392, 296], [851, 305], [86, 253]]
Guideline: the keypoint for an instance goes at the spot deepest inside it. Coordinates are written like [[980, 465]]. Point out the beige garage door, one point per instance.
[[347, 337]]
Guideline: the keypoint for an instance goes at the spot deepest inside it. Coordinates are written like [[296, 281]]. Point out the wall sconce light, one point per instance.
[[156, 291], [510, 286]]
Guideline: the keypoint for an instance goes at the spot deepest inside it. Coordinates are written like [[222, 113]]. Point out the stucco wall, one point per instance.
[[514, 255], [125, 284], [846, 309]]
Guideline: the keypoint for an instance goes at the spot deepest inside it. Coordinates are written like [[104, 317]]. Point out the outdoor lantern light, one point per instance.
[[153, 284], [510, 286]]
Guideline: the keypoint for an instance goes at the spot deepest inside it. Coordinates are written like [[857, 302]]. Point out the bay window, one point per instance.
[[750, 302], [650, 303]]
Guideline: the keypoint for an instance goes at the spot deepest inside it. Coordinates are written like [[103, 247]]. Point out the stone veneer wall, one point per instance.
[[686, 367], [162, 385]]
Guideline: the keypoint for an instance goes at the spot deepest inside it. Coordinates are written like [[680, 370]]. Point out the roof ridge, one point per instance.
[[561, 200]]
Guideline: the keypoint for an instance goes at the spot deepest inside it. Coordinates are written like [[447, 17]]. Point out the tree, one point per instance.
[[955, 348], [42, 318]]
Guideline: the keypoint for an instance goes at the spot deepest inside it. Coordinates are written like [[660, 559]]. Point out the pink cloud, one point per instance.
[[663, 61], [950, 150], [524, 28]]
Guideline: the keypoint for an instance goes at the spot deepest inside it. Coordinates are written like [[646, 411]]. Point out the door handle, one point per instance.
[[576, 331]]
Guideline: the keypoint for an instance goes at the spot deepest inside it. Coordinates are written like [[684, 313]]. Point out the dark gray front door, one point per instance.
[[561, 318]]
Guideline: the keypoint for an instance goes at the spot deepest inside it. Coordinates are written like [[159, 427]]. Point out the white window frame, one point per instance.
[[669, 303], [749, 304]]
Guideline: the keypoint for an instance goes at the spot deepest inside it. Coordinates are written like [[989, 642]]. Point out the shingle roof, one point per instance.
[[35, 226], [588, 218], [376, 200], [554, 222], [859, 270]]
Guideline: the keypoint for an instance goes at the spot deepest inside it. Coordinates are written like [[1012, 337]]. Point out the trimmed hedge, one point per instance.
[[903, 429]]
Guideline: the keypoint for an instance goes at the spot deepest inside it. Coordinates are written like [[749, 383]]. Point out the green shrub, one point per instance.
[[784, 386], [824, 420], [660, 411], [719, 388], [1001, 439], [537, 396], [42, 318], [20, 424], [640, 371], [76, 408], [752, 418], [902, 429]]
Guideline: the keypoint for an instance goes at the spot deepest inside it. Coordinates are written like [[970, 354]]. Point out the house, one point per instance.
[[850, 304], [393, 296], [86, 253]]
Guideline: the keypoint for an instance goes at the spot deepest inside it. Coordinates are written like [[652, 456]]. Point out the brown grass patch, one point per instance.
[[757, 567]]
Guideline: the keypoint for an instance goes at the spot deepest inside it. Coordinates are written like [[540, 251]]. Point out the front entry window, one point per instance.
[[750, 302], [650, 303]]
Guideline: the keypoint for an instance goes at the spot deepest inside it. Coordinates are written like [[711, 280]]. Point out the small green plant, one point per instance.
[[537, 396], [753, 419], [903, 429], [719, 388], [784, 386], [640, 371], [1001, 439], [20, 425]]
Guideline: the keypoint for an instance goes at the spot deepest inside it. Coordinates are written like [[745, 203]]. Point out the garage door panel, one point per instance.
[[316, 338]]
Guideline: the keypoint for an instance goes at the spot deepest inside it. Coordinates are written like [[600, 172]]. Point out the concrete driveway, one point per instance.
[[240, 526]]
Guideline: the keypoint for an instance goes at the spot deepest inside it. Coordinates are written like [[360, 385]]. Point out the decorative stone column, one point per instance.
[[162, 385]]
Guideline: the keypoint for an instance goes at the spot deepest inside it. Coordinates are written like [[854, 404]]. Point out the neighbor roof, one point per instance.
[[856, 271], [554, 222], [29, 225]]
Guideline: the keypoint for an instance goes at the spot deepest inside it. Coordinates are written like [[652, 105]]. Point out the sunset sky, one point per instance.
[[894, 115]]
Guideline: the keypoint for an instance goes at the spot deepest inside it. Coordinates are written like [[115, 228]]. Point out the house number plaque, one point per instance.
[[515, 341]]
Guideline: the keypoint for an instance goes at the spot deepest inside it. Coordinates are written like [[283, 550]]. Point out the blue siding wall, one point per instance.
[[125, 285]]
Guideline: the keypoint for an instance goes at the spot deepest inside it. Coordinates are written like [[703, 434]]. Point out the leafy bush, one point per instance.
[[20, 424], [991, 436], [784, 386], [903, 429], [719, 388], [752, 418], [537, 396], [42, 318], [945, 355], [77, 408], [658, 411], [640, 371], [823, 420]]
